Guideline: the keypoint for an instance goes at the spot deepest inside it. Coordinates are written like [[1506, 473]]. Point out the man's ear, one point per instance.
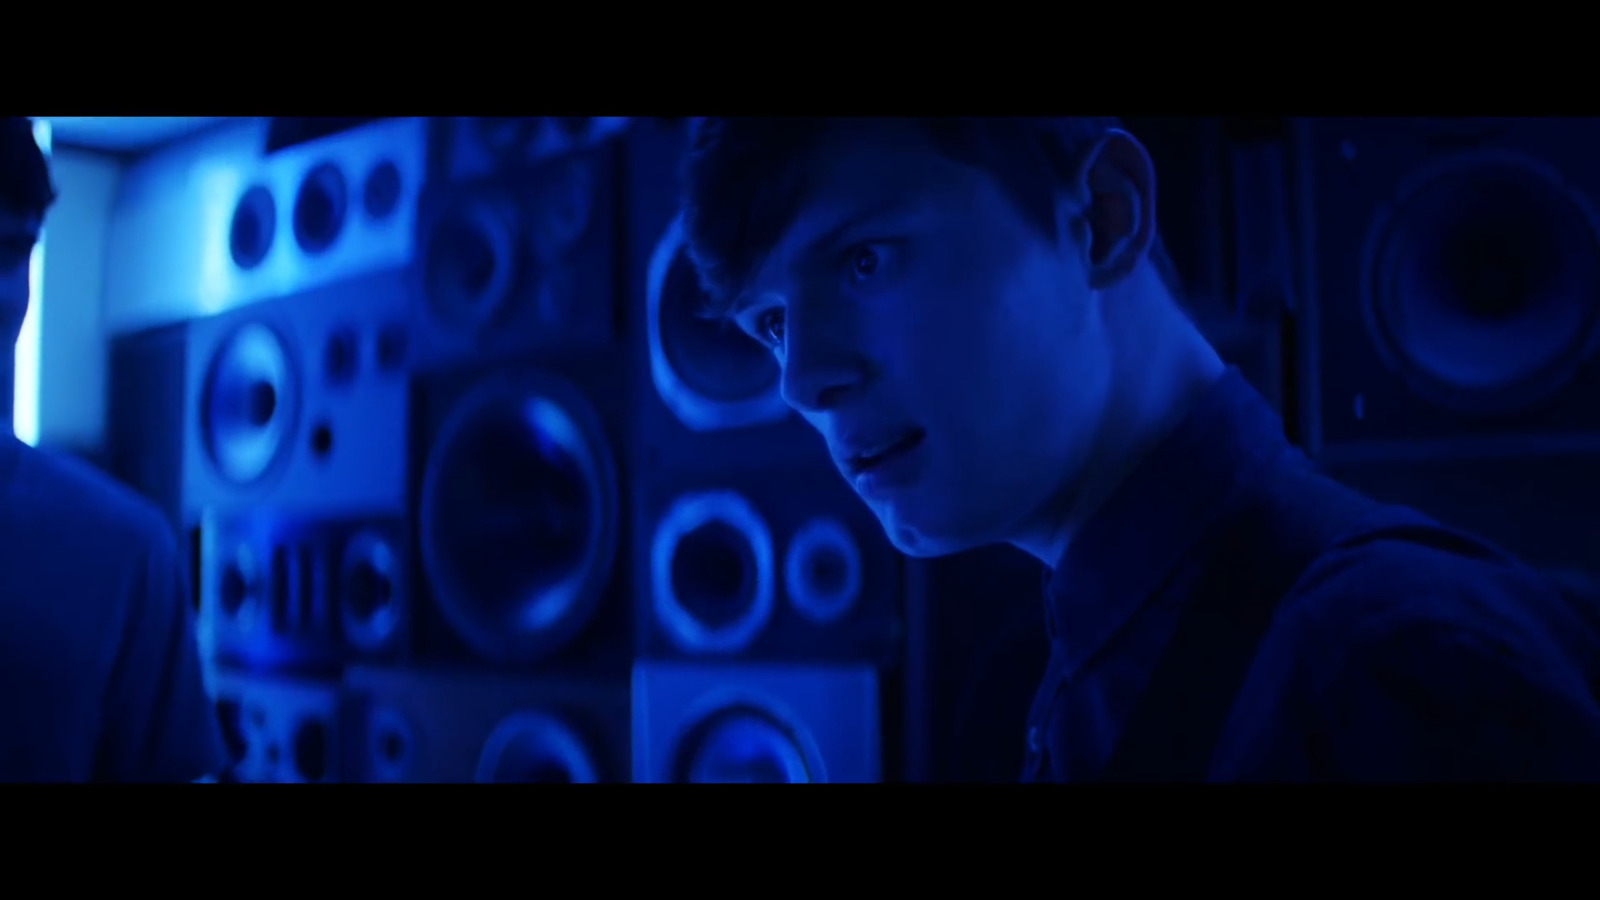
[[1109, 208]]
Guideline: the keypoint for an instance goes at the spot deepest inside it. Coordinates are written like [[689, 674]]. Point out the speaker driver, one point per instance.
[[247, 414], [519, 517], [1483, 283], [741, 744]]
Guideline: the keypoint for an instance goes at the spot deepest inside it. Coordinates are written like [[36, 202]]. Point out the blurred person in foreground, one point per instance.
[[100, 677]]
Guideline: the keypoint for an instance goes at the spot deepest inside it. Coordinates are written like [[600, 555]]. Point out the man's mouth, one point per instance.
[[879, 455]]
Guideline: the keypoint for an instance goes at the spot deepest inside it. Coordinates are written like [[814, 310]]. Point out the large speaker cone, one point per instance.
[[247, 411], [708, 373], [742, 744], [1483, 283], [519, 517]]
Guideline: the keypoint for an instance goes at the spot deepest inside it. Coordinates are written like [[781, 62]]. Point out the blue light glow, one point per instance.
[[25, 389]]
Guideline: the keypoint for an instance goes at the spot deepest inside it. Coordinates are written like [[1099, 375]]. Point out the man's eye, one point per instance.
[[864, 262], [769, 328]]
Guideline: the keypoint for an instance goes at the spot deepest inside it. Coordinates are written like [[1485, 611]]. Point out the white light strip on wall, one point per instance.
[[25, 398]]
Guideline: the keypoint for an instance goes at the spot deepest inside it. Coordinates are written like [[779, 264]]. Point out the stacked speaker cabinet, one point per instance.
[[1451, 269], [768, 600], [520, 650], [294, 453]]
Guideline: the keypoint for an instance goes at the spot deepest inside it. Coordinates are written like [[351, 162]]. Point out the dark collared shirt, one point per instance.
[[1389, 661]]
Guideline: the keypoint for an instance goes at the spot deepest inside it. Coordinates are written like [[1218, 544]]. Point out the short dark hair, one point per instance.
[[25, 186], [744, 178]]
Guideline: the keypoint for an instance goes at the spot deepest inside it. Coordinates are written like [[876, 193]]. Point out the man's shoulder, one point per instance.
[[1363, 601], [59, 494], [1421, 572]]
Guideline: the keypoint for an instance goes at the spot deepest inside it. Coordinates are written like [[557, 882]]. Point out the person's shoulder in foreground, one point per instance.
[[102, 678], [1421, 658]]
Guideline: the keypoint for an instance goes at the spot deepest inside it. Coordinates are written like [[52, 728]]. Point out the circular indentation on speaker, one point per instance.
[[321, 440], [380, 195], [254, 225], [391, 746], [822, 570], [341, 356], [319, 208]]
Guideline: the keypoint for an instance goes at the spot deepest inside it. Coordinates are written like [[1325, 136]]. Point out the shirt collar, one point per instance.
[[1157, 516]]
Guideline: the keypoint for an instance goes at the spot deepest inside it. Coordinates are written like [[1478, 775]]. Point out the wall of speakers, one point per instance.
[[476, 494], [238, 226]]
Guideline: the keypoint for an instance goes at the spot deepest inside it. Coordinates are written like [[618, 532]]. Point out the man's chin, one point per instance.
[[920, 542]]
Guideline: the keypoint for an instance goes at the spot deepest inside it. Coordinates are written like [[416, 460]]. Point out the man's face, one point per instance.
[[950, 354], [18, 235]]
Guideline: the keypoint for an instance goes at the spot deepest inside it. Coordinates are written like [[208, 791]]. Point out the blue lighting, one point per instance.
[[25, 396]]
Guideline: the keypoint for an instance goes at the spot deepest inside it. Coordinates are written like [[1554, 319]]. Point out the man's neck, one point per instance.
[[1160, 372]]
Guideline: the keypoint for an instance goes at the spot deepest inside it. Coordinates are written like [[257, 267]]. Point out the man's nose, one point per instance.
[[822, 364]]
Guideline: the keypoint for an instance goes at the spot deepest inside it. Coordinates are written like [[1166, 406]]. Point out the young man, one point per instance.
[[100, 679], [974, 316]]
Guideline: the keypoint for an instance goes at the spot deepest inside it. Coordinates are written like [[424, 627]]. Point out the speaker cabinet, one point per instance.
[[293, 594], [281, 730], [217, 223], [300, 404], [434, 727], [766, 724], [518, 262], [1453, 268]]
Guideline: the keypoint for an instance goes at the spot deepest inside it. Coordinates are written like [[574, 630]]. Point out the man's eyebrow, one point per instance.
[[825, 240]]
